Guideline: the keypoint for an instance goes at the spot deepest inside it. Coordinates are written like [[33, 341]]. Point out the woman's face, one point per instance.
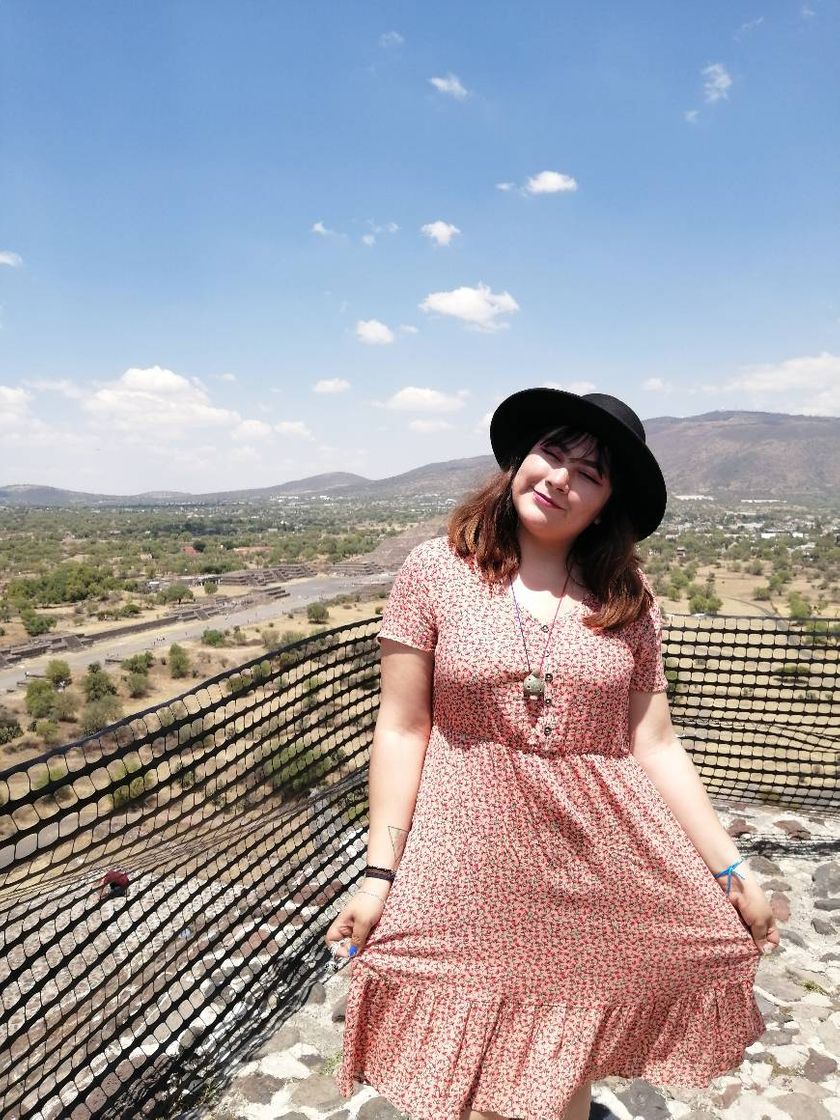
[[570, 479]]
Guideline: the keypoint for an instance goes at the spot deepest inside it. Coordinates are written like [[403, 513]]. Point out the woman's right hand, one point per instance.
[[353, 925]]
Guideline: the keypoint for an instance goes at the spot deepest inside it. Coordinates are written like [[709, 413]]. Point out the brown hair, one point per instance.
[[482, 530]]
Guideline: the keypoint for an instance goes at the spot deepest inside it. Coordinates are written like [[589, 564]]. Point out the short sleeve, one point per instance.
[[648, 664], [409, 615]]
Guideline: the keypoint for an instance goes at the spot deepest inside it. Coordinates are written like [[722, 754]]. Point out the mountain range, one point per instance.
[[725, 454]]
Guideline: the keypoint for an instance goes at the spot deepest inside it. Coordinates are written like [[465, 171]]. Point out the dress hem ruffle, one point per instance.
[[527, 1056]]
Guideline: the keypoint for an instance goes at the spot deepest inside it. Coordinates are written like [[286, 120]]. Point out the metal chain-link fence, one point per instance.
[[166, 884]]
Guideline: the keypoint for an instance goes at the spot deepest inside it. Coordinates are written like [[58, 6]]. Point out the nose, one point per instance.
[[559, 478]]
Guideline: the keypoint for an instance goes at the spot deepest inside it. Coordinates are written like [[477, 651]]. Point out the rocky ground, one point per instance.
[[791, 1073]]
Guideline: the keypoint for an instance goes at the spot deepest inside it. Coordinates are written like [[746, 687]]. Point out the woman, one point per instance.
[[565, 905]]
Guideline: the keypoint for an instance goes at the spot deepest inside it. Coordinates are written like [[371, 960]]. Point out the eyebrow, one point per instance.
[[575, 458]]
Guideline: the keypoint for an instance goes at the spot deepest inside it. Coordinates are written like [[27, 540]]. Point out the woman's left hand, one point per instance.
[[754, 908]]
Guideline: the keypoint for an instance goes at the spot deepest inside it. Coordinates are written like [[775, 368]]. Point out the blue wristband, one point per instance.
[[730, 871]]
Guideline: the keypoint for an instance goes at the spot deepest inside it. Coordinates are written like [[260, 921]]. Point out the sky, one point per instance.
[[247, 242]]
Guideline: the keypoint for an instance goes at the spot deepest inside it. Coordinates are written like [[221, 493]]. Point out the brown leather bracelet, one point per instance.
[[380, 873]]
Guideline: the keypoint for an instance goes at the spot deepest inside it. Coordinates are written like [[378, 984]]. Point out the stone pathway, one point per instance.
[[791, 1073]]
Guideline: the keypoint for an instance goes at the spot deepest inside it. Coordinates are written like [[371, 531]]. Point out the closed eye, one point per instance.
[[554, 455]]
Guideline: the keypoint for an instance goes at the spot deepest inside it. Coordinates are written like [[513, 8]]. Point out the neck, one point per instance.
[[543, 563]]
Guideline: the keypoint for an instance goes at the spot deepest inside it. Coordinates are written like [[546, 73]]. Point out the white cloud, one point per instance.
[[331, 385], [505, 186], [391, 39], [440, 232], [14, 407], [808, 384], [62, 386], [478, 307], [415, 399], [13, 260], [550, 182], [323, 231], [251, 429], [450, 85], [153, 398], [691, 115], [296, 428], [370, 238], [579, 387], [746, 28], [245, 454], [374, 333], [408, 328], [656, 385], [227, 377], [717, 82], [807, 11], [428, 427]]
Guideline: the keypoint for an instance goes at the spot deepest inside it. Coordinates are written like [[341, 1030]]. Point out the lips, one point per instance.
[[543, 500]]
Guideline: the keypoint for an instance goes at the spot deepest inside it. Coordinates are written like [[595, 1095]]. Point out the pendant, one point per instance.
[[533, 687]]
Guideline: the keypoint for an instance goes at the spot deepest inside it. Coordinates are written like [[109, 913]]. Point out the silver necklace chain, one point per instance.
[[533, 686]]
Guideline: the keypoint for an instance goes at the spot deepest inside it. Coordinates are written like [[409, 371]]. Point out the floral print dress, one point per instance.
[[550, 922]]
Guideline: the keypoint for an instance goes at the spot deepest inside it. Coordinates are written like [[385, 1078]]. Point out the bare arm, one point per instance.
[[400, 739], [672, 771]]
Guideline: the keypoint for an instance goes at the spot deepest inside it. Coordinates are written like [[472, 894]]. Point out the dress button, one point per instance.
[[547, 730], [549, 677], [548, 701], [545, 628]]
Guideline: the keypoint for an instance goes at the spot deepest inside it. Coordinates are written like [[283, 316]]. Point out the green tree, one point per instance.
[[139, 662], [176, 593], [40, 695], [317, 612], [137, 684], [799, 607], [48, 730], [213, 638], [178, 661], [65, 706], [9, 726], [97, 684], [58, 673], [99, 713], [210, 587], [37, 624]]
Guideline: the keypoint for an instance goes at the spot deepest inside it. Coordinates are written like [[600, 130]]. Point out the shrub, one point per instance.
[[137, 684], [210, 587], [135, 789], [792, 669], [292, 770], [58, 673], [96, 685], [213, 638], [317, 612], [99, 713], [48, 731], [65, 706], [40, 695], [37, 624], [9, 726], [178, 661], [139, 663]]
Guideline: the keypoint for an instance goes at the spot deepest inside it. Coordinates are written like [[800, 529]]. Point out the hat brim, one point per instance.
[[522, 418]]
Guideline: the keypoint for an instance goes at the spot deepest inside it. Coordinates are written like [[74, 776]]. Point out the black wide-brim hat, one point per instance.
[[522, 418]]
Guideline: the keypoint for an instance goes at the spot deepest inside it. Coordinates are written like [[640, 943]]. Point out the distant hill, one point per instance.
[[726, 454]]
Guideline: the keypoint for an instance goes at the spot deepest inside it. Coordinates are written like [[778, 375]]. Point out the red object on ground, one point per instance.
[[116, 876]]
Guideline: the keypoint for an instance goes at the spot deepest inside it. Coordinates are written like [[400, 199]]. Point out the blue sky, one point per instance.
[[246, 242]]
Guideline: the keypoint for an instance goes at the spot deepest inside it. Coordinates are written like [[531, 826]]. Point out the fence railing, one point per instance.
[[238, 814]]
